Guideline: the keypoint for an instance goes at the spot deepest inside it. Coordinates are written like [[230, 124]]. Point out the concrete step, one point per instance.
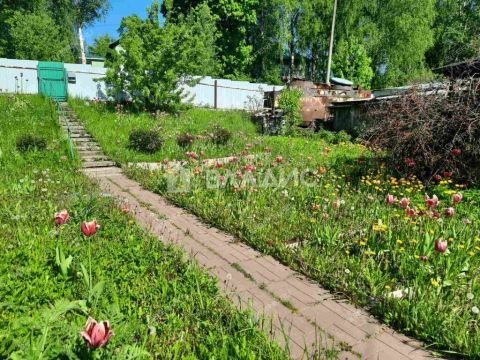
[[88, 148], [103, 171], [83, 140], [88, 159], [79, 135], [98, 164], [90, 153]]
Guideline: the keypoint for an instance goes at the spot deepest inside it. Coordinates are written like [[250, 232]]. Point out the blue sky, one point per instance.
[[119, 9]]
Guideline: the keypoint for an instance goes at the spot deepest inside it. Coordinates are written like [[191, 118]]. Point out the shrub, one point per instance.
[[146, 141], [28, 142], [430, 135], [220, 135], [334, 137], [289, 102], [185, 139]]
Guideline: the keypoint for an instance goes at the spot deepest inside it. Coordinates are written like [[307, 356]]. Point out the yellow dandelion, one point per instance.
[[435, 282]]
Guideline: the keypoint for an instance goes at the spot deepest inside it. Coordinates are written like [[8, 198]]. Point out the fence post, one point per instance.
[[273, 101], [215, 95]]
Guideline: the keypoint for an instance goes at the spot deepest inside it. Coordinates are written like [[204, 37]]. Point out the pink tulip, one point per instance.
[[89, 228], [221, 178], [441, 245], [219, 165], [457, 198], [390, 199], [96, 335], [250, 168], [165, 162], [404, 202], [432, 202], [423, 258], [449, 212], [410, 212], [436, 215], [61, 217]]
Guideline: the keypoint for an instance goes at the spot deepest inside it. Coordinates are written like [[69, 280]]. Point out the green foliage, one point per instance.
[[456, 32], [351, 241], [159, 305], [333, 137], [234, 20], [35, 36], [155, 60], [99, 120], [29, 142], [289, 102], [351, 61], [147, 141], [100, 45]]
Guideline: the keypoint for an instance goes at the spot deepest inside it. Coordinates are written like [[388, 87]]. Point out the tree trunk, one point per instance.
[[82, 45]]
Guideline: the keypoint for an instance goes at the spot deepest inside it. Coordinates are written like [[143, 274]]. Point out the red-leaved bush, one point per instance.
[[432, 134]]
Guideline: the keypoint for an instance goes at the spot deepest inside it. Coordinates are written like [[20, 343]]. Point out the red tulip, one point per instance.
[[441, 245], [432, 202], [250, 168], [219, 165], [447, 174], [436, 215], [409, 162], [165, 162], [456, 152], [437, 178], [410, 212], [456, 198], [449, 212], [279, 159], [89, 228], [61, 217], [404, 202], [96, 335], [423, 258], [390, 199]]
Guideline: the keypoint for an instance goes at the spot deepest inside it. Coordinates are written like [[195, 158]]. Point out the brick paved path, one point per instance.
[[302, 314]]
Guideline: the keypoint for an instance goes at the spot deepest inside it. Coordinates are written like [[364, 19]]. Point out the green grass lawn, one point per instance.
[[349, 239], [159, 306]]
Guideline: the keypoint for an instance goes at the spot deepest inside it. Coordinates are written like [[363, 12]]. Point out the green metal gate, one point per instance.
[[52, 80]]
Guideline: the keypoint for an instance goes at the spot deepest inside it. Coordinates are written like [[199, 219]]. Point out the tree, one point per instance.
[[85, 13], [156, 61], [35, 36], [235, 20], [456, 32], [101, 45], [351, 61]]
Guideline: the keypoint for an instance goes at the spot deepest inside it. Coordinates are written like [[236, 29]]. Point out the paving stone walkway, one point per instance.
[[299, 313]]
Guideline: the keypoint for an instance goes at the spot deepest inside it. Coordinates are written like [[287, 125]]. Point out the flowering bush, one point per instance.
[[434, 136]]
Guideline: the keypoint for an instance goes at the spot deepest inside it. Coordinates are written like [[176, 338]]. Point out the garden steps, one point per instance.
[[300, 312]]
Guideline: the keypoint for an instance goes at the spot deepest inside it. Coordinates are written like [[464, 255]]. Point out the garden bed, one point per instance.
[[158, 305], [335, 226]]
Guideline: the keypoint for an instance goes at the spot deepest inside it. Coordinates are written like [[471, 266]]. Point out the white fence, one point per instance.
[[20, 76]]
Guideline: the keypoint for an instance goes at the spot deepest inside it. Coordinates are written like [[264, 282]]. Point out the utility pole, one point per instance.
[[330, 51]]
